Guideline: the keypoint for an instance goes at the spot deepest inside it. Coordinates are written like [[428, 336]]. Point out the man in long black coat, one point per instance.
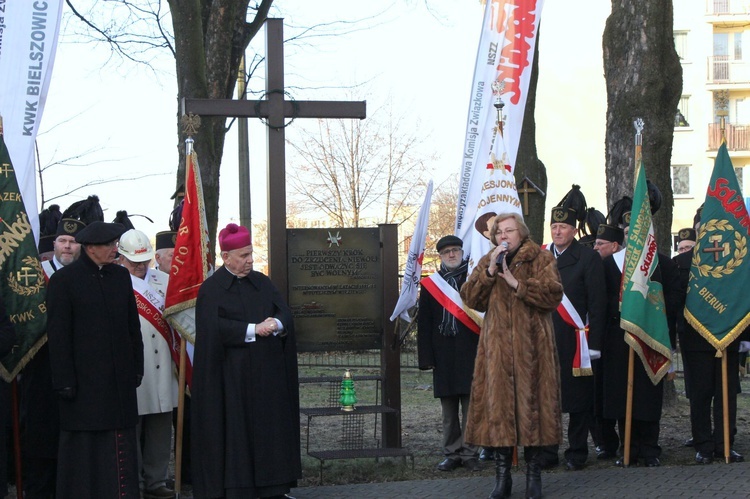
[[582, 276], [245, 392], [647, 397], [96, 356], [448, 347], [703, 372]]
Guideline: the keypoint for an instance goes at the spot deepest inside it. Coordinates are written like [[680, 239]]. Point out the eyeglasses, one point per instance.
[[602, 243], [506, 231], [450, 251]]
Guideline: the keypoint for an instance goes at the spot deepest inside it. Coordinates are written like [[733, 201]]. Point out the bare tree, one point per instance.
[[351, 170], [644, 80]]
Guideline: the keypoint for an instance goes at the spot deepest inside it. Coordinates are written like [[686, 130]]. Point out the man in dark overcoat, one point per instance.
[[245, 392], [448, 347], [582, 276], [39, 412], [7, 340], [96, 357], [703, 379], [647, 397]]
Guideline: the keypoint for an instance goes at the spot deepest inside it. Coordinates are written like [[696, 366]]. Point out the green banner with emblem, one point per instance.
[[642, 309], [717, 305], [22, 284]]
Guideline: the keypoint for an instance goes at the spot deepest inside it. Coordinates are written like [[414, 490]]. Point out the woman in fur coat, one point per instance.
[[515, 394]]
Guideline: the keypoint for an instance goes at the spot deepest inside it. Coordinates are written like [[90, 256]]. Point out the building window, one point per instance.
[[681, 118], [738, 171], [738, 46], [680, 44], [681, 180]]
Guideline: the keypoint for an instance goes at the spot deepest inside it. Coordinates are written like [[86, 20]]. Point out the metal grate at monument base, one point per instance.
[[352, 431]]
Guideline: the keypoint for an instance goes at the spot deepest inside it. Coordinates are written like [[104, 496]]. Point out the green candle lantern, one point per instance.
[[348, 393]]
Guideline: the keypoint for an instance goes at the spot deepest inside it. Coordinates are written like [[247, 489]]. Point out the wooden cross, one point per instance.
[[527, 187], [716, 249], [275, 109]]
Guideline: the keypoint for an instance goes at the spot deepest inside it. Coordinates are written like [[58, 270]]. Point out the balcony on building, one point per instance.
[[737, 135], [724, 73], [728, 13]]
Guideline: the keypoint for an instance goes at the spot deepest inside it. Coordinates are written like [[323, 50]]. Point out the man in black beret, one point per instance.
[[96, 358], [448, 347]]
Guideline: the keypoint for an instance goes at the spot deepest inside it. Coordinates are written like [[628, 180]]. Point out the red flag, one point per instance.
[[190, 264]]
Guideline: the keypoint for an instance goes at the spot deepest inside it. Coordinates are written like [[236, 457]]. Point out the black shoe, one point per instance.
[[472, 464], [449, 464], [652, 462], [621, 462], [487, 454], [548, 464], [604, 454], [734, 457], [571, 466], [701, 458], [689, 442]]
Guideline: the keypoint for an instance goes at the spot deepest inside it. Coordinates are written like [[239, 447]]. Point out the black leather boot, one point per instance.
[[503, 480], [533, 474]]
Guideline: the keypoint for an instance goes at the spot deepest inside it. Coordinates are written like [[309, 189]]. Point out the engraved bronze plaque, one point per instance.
[[336, 288]]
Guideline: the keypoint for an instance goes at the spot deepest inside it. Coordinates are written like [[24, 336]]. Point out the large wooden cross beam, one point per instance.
[[275, 110]]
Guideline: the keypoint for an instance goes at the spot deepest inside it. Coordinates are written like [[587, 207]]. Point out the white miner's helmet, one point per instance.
[[135, 246]]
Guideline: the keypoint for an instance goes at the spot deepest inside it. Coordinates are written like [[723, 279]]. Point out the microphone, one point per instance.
[[501, 256]]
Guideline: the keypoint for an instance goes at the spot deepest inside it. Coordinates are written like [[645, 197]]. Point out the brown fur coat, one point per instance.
[[515, 394]]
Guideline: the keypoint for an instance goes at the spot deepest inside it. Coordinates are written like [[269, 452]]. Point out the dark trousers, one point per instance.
[[605, 434], [454, 411], [706, 399], [644, 439], [578, 440], [40, 477]]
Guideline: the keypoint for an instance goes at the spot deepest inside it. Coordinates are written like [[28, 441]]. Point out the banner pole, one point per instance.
[[180, 419], [725, 404], [629, 407]]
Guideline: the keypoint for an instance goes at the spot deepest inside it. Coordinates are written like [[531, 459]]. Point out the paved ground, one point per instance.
[[716, 480]]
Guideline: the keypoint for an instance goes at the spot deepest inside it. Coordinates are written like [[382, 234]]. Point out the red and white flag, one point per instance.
[[190, 264], [502, 71], [413, 269]]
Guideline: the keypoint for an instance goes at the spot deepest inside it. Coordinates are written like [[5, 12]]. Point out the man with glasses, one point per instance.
[[96, 357], [157, 395], [447, 344]]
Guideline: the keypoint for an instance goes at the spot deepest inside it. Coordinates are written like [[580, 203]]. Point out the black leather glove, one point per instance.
[[138, 380], [67, 393]]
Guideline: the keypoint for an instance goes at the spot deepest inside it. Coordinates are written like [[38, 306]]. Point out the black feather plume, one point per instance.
[[87, 210], [49, 218], [621, 207]]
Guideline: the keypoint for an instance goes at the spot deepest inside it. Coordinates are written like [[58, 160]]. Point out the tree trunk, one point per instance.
[[527, 161], [210, 39], [644, 80]]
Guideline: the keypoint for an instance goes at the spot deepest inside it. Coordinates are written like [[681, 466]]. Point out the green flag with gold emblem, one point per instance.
[[22, 283], [716, 304], [642, 310]]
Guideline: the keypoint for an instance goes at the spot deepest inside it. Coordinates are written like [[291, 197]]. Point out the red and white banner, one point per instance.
[[190, 264], [413, 269], [28, 41], [503, 70], [450, 299]]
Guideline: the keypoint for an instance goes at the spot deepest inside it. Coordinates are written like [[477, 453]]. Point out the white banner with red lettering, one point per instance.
[[503, 70], [28, 41]]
